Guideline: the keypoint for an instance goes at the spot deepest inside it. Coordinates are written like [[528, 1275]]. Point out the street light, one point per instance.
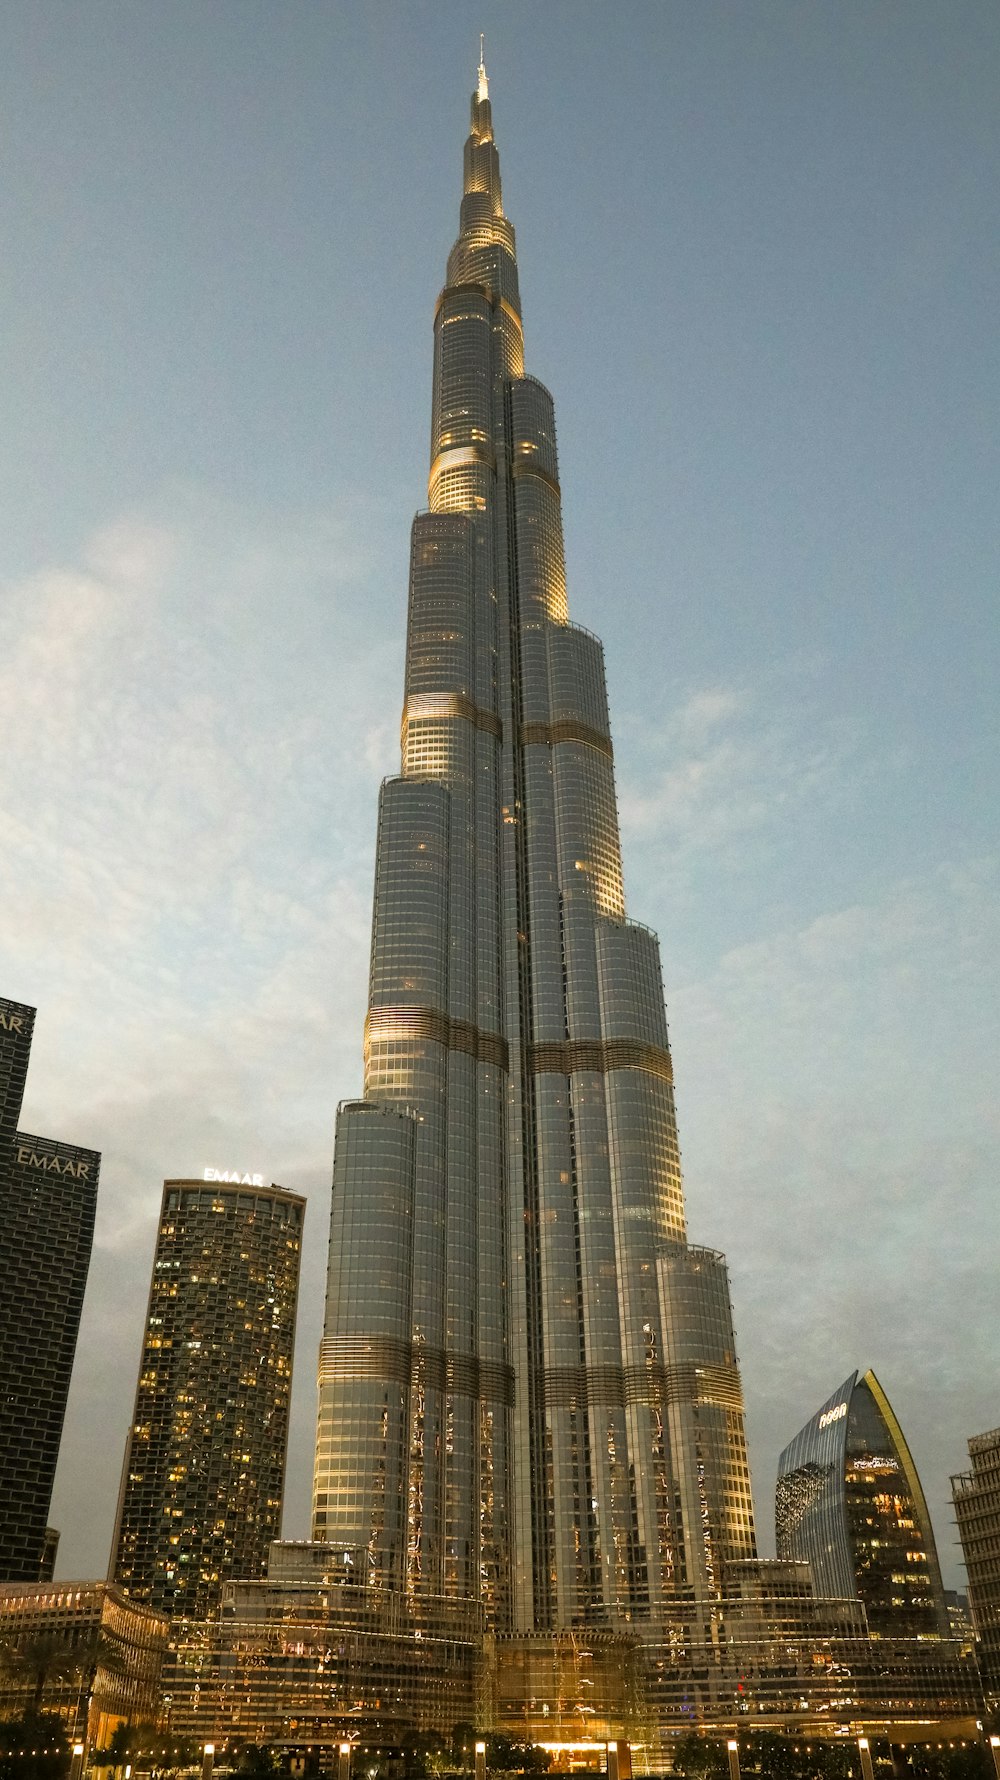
[[207, 1761], [480, 1761], [344, 1770], [733, 1752], [866, 1759], [76, 1766], [995, 1752]]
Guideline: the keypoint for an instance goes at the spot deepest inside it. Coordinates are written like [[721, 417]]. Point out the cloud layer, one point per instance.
[[198, 713]]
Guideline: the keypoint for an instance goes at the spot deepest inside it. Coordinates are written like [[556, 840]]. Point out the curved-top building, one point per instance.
[[529, 1396], [849, 1501]]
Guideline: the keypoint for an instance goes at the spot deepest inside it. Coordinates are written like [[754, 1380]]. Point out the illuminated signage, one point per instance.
[[11, 1023], [53, 1164], [234, 1179], [833, 1415]]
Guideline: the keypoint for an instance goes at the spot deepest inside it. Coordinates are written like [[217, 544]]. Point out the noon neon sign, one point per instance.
[[833, 1415], [233, 1178]]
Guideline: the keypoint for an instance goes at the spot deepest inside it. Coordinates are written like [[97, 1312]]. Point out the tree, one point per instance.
[[257, 1762], [34, 1659], [33, 1747], [424, 1752], [927, 1762], [505, 1756], [464, 1737], [700, 1758]]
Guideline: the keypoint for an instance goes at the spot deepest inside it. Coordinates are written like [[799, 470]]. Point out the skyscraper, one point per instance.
[[48, 1201], [849, 1501], [529, 1395], [976, 1496], [203, 1480]]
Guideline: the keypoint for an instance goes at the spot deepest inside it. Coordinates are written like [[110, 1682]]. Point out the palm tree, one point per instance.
[[36, 1658], [97, 1654]]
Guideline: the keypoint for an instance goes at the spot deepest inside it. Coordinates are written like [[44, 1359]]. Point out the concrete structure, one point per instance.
[[48, 1201]]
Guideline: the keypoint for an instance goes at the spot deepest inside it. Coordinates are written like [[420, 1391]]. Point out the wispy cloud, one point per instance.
[[186, 816], [837, 1099], [725, 762]]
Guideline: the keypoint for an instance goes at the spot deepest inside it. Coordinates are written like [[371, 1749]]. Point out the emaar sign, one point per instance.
[[234, 1180]]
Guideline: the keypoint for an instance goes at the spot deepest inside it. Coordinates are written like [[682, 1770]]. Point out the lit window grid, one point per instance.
[[204, 1473]]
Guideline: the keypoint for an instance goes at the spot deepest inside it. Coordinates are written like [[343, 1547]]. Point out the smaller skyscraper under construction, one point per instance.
[[203, 1479], [48, 1201], [849, 1502]]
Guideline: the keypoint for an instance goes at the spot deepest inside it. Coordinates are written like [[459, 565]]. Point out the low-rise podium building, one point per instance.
[[83, 1651]]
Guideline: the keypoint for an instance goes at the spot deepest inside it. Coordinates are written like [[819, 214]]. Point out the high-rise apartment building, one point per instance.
[[48, 1201], [849, 1502], [529, 1394], [976, 1496], [203, 1480]]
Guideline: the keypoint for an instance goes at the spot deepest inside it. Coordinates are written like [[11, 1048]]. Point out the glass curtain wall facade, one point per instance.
[[529, 1395], [850, 1502], [48, 1203]]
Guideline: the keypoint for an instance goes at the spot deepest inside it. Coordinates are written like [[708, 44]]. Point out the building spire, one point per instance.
[[484, 89]]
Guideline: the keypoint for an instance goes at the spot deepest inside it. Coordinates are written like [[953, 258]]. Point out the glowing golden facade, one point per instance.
[[529, 1396]]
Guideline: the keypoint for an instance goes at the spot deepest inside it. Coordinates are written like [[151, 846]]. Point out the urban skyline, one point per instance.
[[711, 720]]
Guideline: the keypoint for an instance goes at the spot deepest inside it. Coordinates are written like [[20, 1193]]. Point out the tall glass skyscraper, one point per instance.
[[529, 1396], [48, 1202], [849, 1502]]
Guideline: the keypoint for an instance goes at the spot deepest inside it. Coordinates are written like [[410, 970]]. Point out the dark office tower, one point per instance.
[[203, 1479], [849, 1501], [48, 1198], [976, 1495], [529, 1395], [17, 1023]]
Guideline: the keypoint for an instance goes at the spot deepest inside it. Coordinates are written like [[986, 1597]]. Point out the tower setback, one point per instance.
[[529, 1394]]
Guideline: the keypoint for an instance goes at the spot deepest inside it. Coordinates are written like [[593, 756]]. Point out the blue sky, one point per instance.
[[759, 266]]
